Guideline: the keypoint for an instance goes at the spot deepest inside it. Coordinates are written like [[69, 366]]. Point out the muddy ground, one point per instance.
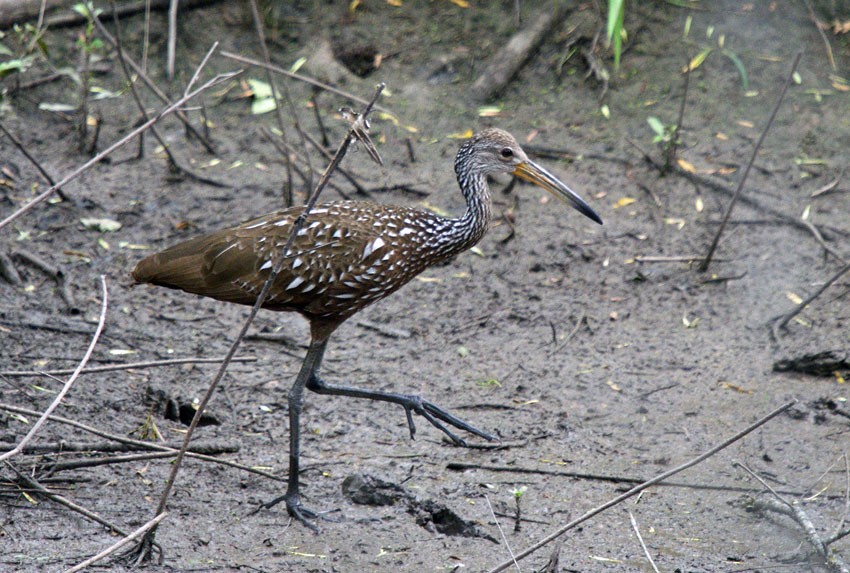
[[596, 370]]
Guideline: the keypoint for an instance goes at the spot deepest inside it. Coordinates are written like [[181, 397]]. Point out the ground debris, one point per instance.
[[824, 363], [434, 516]]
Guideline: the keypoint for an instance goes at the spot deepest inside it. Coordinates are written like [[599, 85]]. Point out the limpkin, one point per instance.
[[346, 256]]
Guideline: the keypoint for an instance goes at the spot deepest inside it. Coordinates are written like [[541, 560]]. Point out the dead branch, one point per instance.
[[505, 63], [703, 267], [17, 143], [109, 150], [140, 443], [62, 500], [127, 366], [116, 546], [645, 485], [67, 387], [261, 35]]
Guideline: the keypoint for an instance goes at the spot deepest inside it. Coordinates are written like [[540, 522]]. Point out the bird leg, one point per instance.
[[292, 497], [410, 402]]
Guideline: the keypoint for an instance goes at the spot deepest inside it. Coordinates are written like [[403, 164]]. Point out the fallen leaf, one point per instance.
[[686, 165], [102, 225], [624, 201], [795, 298]]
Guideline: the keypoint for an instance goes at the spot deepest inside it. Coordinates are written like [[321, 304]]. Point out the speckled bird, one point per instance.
[[347, 255]]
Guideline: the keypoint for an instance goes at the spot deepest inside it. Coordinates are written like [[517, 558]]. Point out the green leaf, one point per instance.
[[260, 89], [656, 125], [742, 71]]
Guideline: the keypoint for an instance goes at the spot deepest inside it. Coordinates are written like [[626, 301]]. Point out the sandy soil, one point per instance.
[[596, 370]]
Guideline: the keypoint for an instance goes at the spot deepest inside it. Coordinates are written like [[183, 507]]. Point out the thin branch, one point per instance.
[[64, 501], [116, 546], [823, 37], [645, 485], [642, 544], [261, 35], [109, 150], [299, 77], [501, 532], [139, 443], [703, 267], [67, 387], [127, 366], [172, 160]]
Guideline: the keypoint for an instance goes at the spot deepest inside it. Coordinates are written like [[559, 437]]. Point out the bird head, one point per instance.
[[495, 151]]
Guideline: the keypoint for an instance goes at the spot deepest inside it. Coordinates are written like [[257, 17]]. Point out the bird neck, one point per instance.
[[467, 230]]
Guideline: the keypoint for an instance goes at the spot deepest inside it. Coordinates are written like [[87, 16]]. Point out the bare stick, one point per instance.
[[67, 387], [116, 546], [139, 443], [795, 512], [109, 150], [645, 485], [171, 46], [642, 544], [782, 321], [501, 532], [301, 78], [143, 551], [707, 261], [127, 366]]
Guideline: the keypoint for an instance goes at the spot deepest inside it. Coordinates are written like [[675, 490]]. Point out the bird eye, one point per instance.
[[507, 152]]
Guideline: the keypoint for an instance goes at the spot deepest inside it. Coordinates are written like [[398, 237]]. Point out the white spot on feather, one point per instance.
[[295, 282], [266, 265]]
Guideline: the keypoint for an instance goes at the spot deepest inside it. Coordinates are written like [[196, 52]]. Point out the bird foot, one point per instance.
[[434, 414], [297, 510]]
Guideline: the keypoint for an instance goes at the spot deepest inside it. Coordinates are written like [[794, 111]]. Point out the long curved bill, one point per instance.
[[534, 173]]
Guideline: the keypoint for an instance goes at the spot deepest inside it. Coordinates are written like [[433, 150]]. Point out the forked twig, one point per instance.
[[645, 485], [707, 261], [143, 552], [67, 387]]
